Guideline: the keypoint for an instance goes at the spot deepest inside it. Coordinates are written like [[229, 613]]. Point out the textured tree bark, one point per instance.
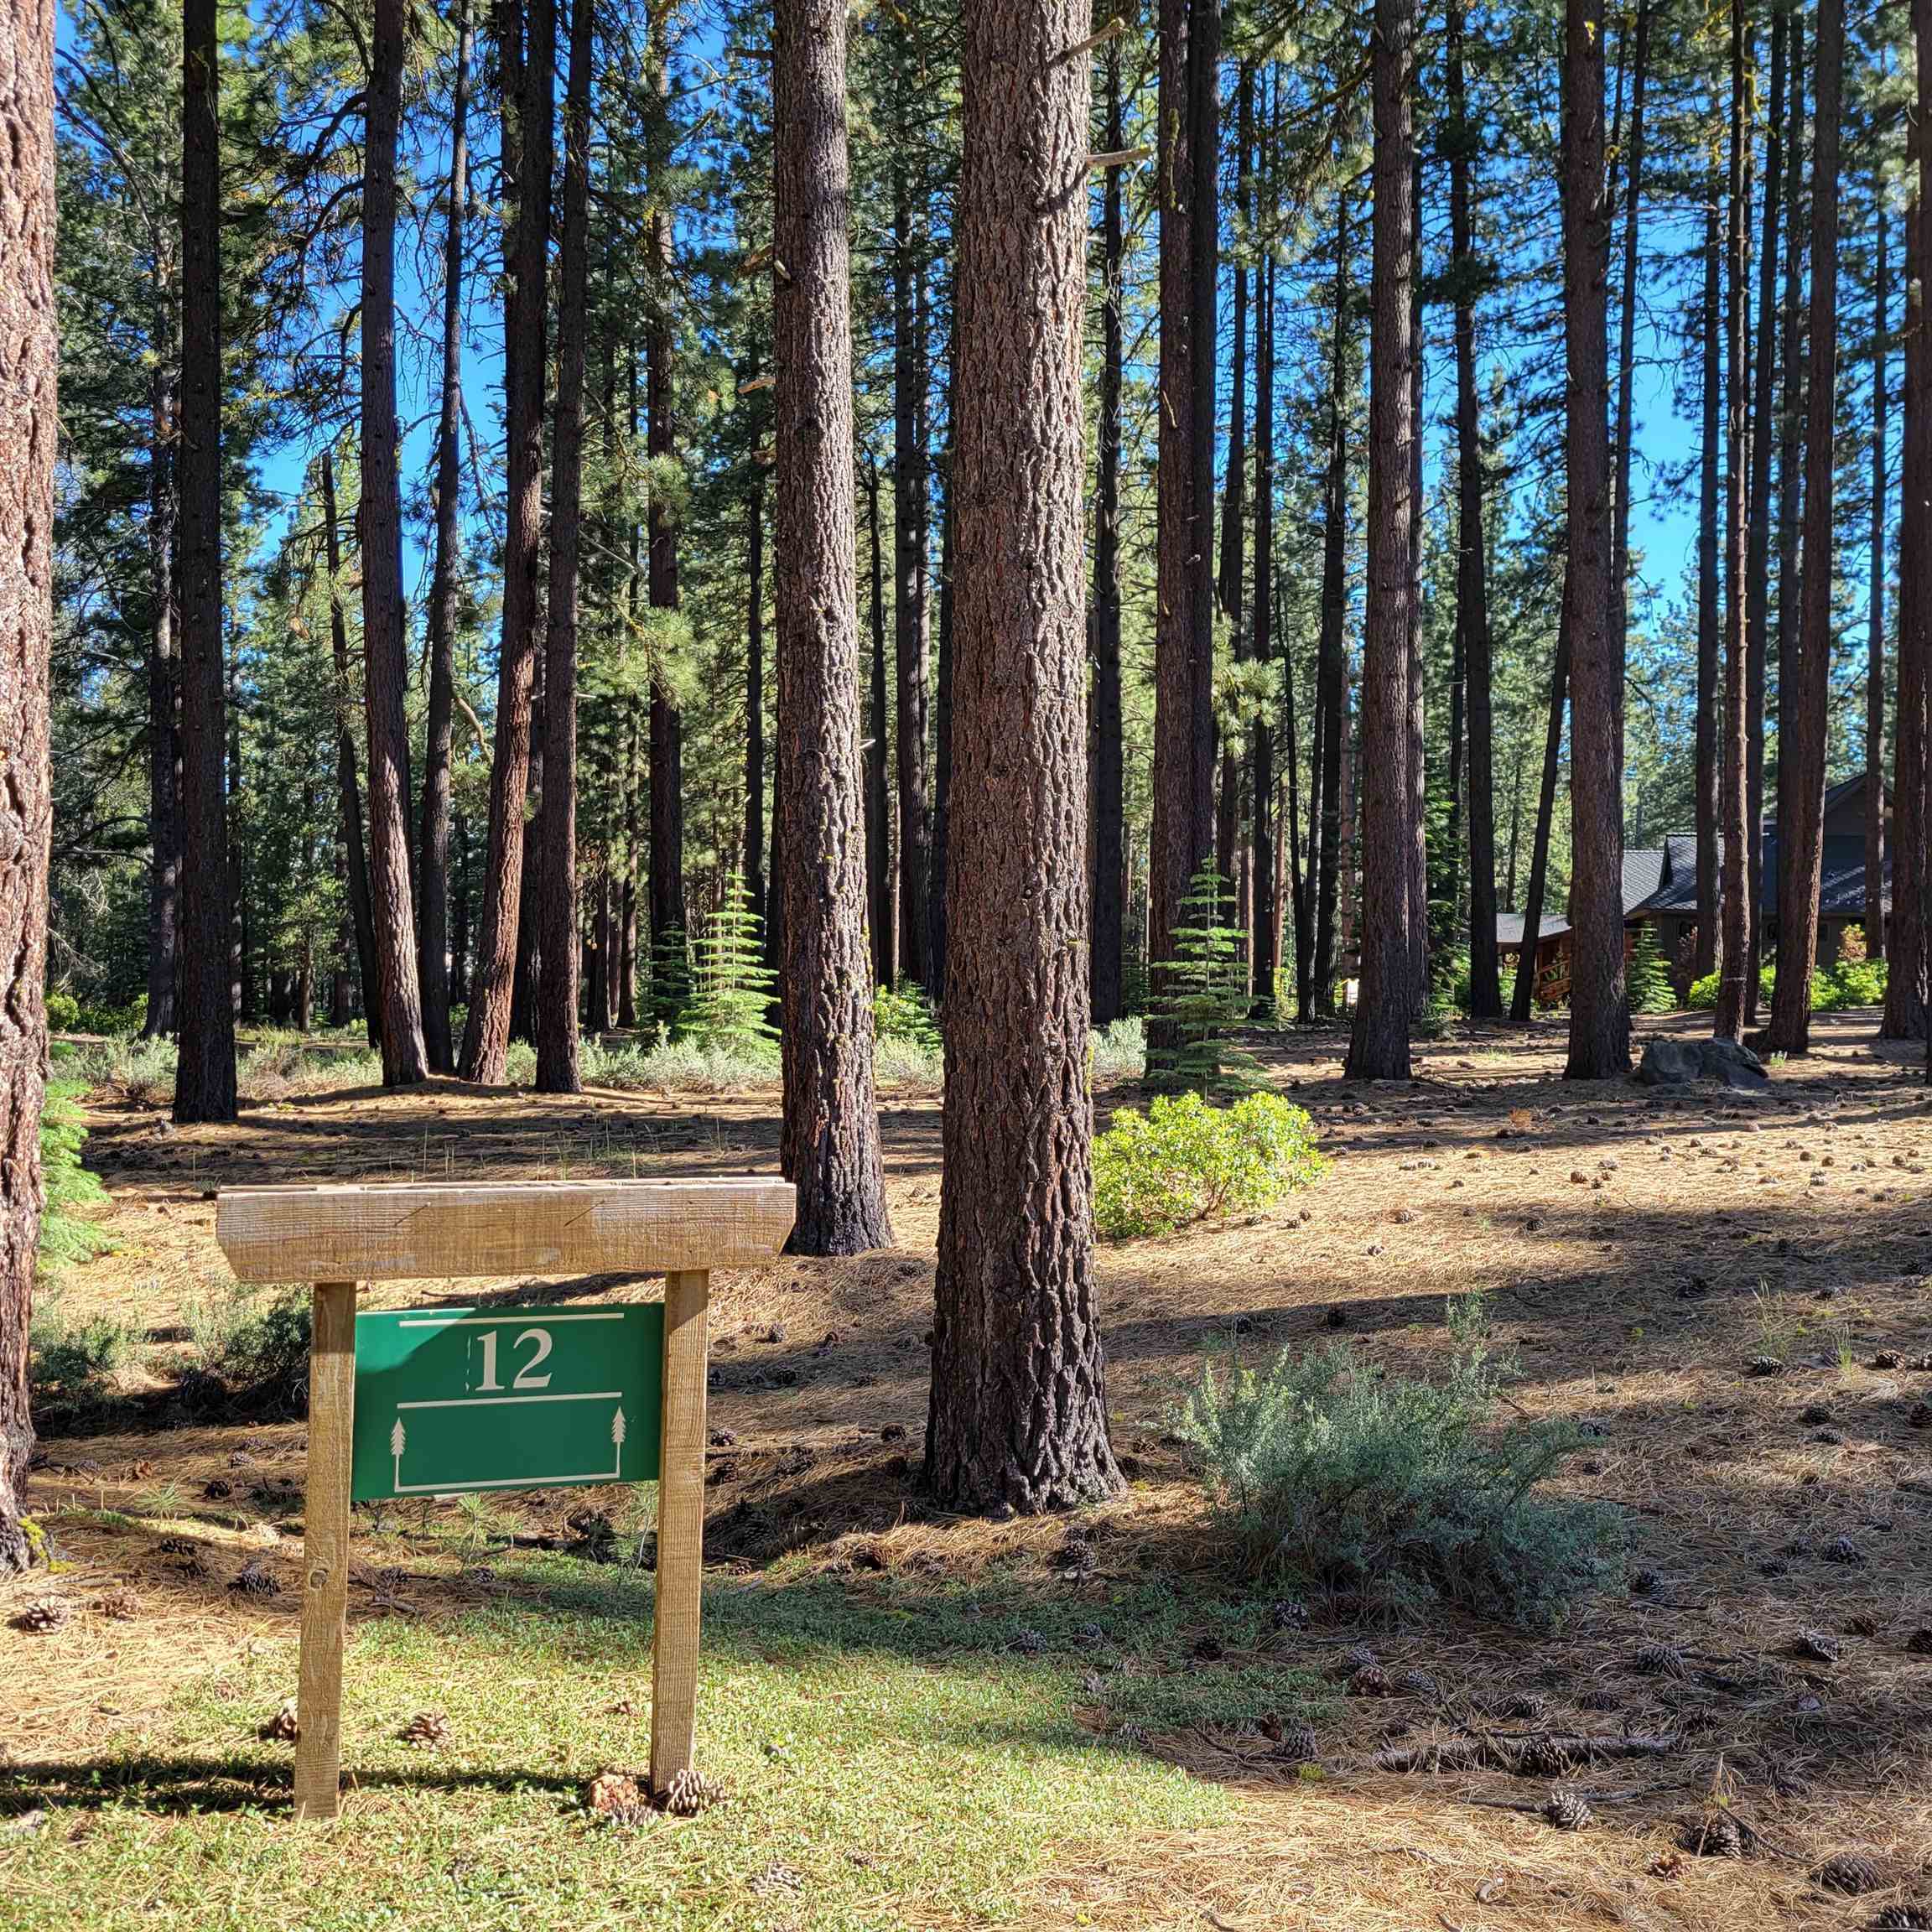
[[1790, 426], [1710, 610], [557, 1042], [1183, 782], [627, 915], [528, 145], [385, 651], [433, 846], [1802, 720], [668, 943], [1905, 985], [1416, 838], [1599, 1011], [1522, 998], [164, 674], [1757, 539], [29, 361], [1230, 585], [879, 921], [204, 1074], [1738, 966], [1110, 778], [1264, 943], [831, 1129], [1875, 615], [943, 730], [1325, 810], [1378, 1043], [1019, 1411], [755, 877], [909, 617], [1472, 554], [348, 793], [1627, 342]]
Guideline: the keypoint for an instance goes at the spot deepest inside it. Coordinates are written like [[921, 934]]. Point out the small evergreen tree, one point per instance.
[[671, 982], [732, 993], [1650, 978], [1202, 996]]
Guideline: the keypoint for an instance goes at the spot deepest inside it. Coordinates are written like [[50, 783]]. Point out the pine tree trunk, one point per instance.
[[1625, 437], [29, 361], [1265, 944], [1332, 670], [556, 1040], [1790, 440], [1905, 985], [1737, 967], [1472, 553], [1183, 779], [527, 146], [1379, 1044], [1018, 1411], [755, 876], [1417, 838], [1802, 720], [878, 837], [831, 1130], [627, 925], [204, 1075], [1875, 843], [1757, 539], [347, 791], [446, 593], [1110, 779], [385, 652], [1522, 999], [164, 677], [1230, 585], [942, 732], [1709, 616], [1599, 1011], [910, 616]]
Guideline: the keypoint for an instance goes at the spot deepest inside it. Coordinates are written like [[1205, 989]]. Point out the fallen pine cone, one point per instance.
[[1817, 1644], [120, 1606], [252, 1580], [426, 1729], [1716, 1834], [1567, 1809], [1371, 1681], [614, 1797], [1849, 1872], [45, 1616], [1904, 1918], [1764, 1365], [687, 1794], [281, 1727]]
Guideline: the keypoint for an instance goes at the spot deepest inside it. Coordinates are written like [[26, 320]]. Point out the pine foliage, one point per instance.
[[1201, 998], [731, 999], [1649, 979]]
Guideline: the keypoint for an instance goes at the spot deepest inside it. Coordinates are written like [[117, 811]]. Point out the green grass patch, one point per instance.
[[904, 1754]]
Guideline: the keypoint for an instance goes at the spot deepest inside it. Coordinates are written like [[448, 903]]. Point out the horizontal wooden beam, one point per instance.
[[443, 1230]]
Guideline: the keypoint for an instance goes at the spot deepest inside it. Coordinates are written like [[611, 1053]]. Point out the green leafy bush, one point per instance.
[[1649, 979], [1704, 991], [731, 1001], [75, 1369], [250, 1348], [1182, 1161], [66, 1234], [1851, 982], [63, 1010], [904, 1013], [1202, 996], [1396, 1490], [143, 1069]]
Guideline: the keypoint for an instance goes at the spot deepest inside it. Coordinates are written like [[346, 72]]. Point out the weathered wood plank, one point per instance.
[[325, 1551], [429, 1231], [680, 1530]]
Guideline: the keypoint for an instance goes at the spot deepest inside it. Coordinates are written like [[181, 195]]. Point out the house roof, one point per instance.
[[1509, 929], [1841, 891]]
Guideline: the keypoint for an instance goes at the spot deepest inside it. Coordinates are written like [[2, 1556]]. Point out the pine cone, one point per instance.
[[1660, 1660], [1293, 1738], [1850, 1872], [1817, 1644], [1715, 1835], [119, 1606], [426, 1729], [217, 1489], [281, 1727], [1290, 1613], [1843, 1550], [1764, 1365], [687, 1794], [47, 1615], [1371, 1681], [1567, 1809], [614, 1795], [1542, 1758], [1886, 1358], [252, 1580], [1419, 1684], [1513, 1706], [1904, 1918], [1360, 1657]]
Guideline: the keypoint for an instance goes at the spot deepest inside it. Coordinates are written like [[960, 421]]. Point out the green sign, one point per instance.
[[465, 1398]]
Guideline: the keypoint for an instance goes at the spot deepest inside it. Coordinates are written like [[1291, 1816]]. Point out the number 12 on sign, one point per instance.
[[449, 1400]]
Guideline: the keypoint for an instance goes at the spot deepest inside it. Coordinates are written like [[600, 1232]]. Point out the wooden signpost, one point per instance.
[[463, 1398]]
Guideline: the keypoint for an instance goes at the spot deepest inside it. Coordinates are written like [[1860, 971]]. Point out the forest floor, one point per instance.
[[919, 1720]]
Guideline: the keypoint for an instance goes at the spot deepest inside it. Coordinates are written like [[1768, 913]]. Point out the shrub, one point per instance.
[[254, 1344], [1118, 1051], [1396, 1489], [731, 1001], [907, 1066], [142, 1070], [1648, 980], [65, 1233], [75, 1369], [1182, 1161], [903, 1013], [63, 1010], [1704, 991], [1202, 996], [685, 1065], [1851, 982]]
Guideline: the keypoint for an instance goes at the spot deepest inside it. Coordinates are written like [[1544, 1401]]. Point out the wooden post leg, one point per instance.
[[680, 1529], [325, 1550]]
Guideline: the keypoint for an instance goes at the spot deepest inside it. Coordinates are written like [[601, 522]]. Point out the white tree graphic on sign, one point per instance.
[[617, 1440], [396, 1442]]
